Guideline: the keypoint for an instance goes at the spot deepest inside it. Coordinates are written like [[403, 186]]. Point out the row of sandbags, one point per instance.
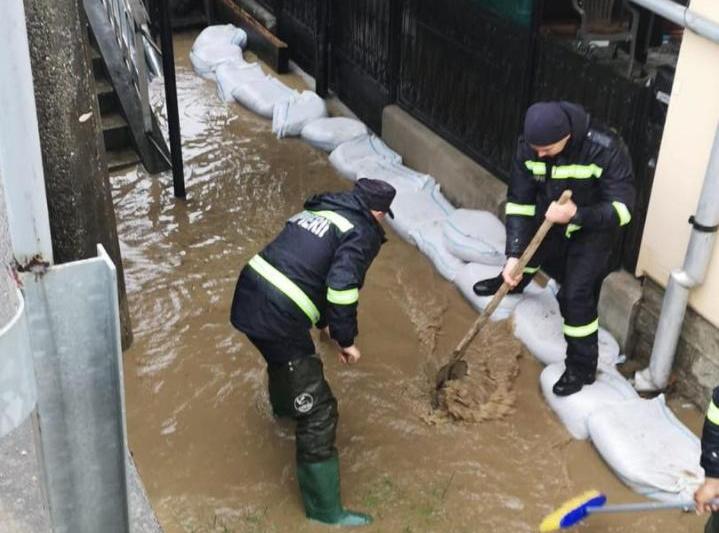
[[643, 442]]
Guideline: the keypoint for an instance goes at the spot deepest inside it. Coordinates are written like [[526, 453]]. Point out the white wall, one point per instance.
[[691, 124]]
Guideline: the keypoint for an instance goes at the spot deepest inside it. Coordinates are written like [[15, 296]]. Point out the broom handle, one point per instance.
[[505, 288], [646, 506]]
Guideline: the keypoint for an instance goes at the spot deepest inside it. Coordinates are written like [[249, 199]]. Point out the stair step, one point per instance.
[[118, 159], [106, 97], [115, 131]]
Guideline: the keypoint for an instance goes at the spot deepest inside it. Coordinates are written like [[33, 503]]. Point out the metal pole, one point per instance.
[[683, 16], [321, 49], [173, 116], [20, 155], [704, 228]]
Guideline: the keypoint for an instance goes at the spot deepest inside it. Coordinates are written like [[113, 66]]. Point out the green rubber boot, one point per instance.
[[320, 487]]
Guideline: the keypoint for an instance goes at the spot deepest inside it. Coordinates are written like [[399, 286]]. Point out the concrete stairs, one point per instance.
[[115, 129]]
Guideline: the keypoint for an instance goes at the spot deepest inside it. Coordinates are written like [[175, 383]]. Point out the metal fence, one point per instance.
[[469, 74]]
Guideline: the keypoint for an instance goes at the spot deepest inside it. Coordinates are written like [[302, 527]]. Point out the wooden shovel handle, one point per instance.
[[505, 288]]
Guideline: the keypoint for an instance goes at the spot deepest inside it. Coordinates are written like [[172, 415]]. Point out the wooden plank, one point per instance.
[[268, 47]]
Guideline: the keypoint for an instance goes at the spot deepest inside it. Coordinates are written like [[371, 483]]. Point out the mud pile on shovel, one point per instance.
[[487, 392]]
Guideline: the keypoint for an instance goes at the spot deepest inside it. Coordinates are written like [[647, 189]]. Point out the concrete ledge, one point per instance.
[[464, 182], [619, 305], [696, 366]]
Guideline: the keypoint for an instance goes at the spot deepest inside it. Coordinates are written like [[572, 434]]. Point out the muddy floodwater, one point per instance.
[[212, 457]]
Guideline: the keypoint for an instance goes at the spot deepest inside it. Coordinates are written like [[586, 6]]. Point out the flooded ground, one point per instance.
[[200, 429]]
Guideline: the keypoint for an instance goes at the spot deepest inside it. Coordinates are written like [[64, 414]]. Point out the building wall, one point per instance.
[[688, 135], [8, 297]]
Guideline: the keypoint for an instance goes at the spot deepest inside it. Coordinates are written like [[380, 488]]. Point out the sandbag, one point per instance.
[[403, 179], [291, 115], [412, 209], [538, 324], [648, 448], [475, 236], [347, 156], [430, 240], [471, 273], [206, 59], [328, 133], [232, 74], [221, 34], [261, 96], [610, 387]]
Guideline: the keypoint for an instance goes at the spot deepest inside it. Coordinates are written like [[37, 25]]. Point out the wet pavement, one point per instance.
[[209, 452]]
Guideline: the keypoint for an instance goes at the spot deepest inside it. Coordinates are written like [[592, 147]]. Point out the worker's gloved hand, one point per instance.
[[325, 331], [349, 355], [507, 272], [704, 494], [561, 214]]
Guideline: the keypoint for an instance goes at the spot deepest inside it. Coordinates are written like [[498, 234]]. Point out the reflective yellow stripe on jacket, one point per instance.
[[286, 286], [563, 172], [346, 297]]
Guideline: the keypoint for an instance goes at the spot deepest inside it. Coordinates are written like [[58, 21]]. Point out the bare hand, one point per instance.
[[706, 493], [507, 272], [349, 355], [561, 214]]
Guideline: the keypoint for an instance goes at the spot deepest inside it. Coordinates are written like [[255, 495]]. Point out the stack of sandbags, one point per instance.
[[216, 45], [538, 324], [414, 209], [347, 156], [403, 179], [429, 239], [471, 273], [231, 74], [290, 116], [648, 448], [475, 236], [574, 411], [328, 133], [262, 95]]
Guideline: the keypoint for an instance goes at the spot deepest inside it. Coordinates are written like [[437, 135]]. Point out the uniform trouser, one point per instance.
[[712, 525], [580, 264], [298, 390]]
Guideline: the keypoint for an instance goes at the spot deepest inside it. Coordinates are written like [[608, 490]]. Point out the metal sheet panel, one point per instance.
[[73, 316]]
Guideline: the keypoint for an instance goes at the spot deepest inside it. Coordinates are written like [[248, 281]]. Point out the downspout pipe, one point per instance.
[[704, 228], [681, 282], [682, 16]]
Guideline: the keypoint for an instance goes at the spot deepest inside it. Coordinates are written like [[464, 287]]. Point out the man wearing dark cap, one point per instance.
[[564, 148], [310, 275]]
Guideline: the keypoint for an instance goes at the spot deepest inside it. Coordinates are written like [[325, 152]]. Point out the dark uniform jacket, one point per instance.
[[710, 438], [324, 251], [595, 166]]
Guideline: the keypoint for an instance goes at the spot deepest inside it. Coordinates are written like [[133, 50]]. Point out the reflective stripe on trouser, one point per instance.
[[585, 267], [298, 389], [580, 265]]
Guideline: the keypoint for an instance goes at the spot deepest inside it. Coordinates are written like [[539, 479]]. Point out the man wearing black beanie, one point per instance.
[[561, 148]]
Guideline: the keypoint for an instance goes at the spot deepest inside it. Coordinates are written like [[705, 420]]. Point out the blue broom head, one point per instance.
[[572, 511]]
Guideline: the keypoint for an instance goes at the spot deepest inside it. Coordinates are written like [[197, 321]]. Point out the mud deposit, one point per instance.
[[487, 392], [211, 455]]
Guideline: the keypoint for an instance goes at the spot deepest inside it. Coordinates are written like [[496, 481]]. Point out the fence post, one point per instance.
[[322, 48], [395, 48]]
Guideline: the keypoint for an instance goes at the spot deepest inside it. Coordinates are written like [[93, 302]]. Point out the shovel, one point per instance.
[[457, 366]]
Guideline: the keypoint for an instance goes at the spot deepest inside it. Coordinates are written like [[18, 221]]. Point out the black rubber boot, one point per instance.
[[280, 393], [320, 487], [487, 287], [571, 382]]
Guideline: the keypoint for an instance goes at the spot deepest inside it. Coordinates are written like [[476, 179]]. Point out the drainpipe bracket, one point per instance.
[[700, 227]]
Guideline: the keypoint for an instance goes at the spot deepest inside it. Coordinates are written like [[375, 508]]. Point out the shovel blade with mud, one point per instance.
[[457, 367]]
